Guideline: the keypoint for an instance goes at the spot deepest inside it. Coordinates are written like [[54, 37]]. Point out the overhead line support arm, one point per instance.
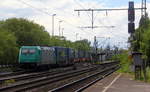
[[106, 9]]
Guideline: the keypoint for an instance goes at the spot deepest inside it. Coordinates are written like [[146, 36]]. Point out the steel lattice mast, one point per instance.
[[143, 8]]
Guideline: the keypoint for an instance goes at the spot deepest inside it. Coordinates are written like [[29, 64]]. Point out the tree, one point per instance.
[[82, 45], [141, 42], [8, 47], [27, 32]]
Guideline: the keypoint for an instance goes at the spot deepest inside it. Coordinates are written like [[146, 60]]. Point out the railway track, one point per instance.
[[26, 76], [85, 82], [34, 81], [12, 74], [22, 73], [42, 81]]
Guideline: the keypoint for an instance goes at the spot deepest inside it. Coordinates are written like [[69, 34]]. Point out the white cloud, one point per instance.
[[12, 4]]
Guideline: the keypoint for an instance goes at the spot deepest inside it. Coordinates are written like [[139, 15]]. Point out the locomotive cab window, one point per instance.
[[24, 51], [32, 51], [28, 51]]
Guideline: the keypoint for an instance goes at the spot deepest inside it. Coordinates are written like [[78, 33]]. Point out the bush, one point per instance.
[[125, 62]]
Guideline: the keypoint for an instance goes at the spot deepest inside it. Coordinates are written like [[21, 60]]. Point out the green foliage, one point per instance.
[[148, 74], [7, 82], [27, 32], [61, 41], [82, 45], [125, 62], [8, 49], [141, 42]]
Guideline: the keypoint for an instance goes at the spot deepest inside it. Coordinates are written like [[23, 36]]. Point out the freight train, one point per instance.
[[38, 56]]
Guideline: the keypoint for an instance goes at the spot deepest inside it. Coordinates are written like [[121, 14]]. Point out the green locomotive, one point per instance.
[[32, 56]]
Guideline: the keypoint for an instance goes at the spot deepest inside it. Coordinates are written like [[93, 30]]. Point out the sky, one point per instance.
[[41, 11]]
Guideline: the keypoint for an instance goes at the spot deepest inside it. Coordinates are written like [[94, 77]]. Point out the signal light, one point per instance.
[[131, 15], [131, 5], [131, 12], [131, 27]]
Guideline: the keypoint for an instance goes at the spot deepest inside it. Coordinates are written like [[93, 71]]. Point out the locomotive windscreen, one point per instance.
[[28, 51]]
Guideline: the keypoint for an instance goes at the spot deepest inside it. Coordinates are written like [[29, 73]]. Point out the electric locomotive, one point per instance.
[[34, 56]]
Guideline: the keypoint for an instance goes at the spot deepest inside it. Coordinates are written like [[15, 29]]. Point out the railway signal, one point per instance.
[[131, 18], [131, 12], [131, 27]]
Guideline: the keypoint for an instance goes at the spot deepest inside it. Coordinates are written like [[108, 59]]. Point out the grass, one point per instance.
[[125, 62], [147, 75], [4, 69], [8, 69], [7, 82]]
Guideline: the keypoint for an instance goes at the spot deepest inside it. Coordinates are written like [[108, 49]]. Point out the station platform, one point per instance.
[[119, 83]]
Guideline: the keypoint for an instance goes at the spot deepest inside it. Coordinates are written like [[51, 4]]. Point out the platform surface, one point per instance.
[[119, 83]]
